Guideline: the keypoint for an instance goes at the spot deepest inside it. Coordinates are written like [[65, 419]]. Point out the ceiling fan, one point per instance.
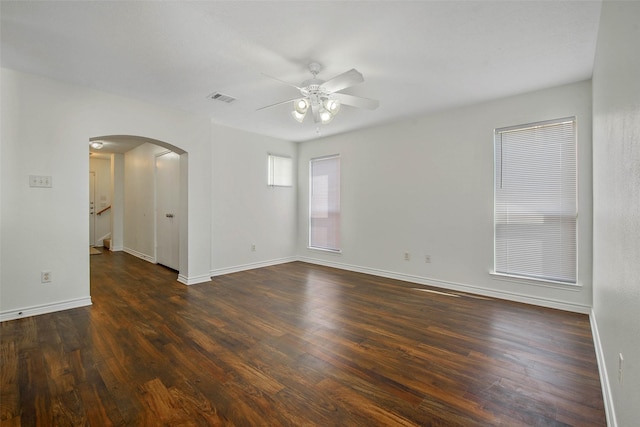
[[323, 98]]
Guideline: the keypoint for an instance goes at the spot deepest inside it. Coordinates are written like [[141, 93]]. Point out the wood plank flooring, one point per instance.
[[294, 345]]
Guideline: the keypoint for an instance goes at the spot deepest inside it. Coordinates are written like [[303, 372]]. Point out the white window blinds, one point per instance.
[[535, 201], [280, 171], [324, 203]]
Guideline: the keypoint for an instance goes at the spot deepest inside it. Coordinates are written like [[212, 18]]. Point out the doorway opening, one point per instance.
[[145, 209]]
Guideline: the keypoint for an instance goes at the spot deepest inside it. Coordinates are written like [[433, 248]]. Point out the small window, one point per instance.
[[324, 203], [535, 201], [280, 171]]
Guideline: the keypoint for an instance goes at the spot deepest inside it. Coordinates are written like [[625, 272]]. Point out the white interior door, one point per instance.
[[167, 204], [92, 208]]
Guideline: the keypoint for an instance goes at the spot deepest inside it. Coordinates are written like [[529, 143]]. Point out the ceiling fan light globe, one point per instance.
[[332, 105], [325, 116], [301, 106], [298, 116]]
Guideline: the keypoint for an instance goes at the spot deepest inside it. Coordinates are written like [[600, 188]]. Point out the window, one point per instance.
[[535, 203], [324, 203], [280, 171]]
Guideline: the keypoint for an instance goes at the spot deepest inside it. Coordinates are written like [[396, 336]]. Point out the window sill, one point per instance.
[[536, 282], [331, 251]]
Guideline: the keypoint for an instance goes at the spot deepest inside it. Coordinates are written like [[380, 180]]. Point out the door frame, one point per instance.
[[155, 206], [92, 209]]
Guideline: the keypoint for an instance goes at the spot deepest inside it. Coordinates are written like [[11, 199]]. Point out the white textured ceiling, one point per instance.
[[416, 56]]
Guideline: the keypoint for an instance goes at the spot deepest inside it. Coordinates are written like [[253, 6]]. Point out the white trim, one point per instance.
[[461, 287], [44, 309], [536, 125], [524, 280], [251, 266], [193, 280], [602, 368], [140, 255], [332, 251]]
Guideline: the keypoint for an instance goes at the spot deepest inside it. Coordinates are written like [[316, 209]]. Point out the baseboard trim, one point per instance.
[[44, 309], [461, 287], [602, 368], [140, 255], [251, 266], [193, 280]]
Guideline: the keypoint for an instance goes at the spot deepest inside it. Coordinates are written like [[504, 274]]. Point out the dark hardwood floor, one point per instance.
[[294, 345]]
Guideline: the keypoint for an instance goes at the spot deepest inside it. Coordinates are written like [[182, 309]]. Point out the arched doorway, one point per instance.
[[133, 215]]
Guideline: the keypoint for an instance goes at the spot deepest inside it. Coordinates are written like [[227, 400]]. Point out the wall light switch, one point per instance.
[[40, 181]]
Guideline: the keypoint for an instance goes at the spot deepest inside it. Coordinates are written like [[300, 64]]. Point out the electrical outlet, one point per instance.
[[620, 366], [45, 276], [407, 256], [427, 259]]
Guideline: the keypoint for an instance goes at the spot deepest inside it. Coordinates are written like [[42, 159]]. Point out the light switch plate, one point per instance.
[[40, 181]]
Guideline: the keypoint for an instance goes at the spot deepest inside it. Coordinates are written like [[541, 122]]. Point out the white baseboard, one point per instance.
[[251, 266], [602, 368], [140, 255], [193, 280], [44, 309], [461, 287]]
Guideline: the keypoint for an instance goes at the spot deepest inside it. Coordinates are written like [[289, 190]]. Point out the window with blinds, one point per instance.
[[324, 203], [280, 171], [535, 201]]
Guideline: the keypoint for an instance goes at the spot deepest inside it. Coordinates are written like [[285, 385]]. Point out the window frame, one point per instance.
[[575, 249], [271, 170], [310, 243]]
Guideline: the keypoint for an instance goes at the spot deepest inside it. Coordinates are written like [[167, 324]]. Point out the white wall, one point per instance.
[[46, 126], [102, 194], [42, 229], [245, 210], [616, 176], [139, 200], [426, 186]]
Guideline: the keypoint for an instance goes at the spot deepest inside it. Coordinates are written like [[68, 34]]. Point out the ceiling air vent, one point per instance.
[[217, 96]]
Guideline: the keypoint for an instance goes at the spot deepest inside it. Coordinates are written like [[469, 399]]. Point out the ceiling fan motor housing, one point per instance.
[[312, 86]]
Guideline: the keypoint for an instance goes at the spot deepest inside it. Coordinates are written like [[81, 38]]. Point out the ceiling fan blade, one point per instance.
[[281, 81], [343, 81], [278, 103], [356, 101]]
